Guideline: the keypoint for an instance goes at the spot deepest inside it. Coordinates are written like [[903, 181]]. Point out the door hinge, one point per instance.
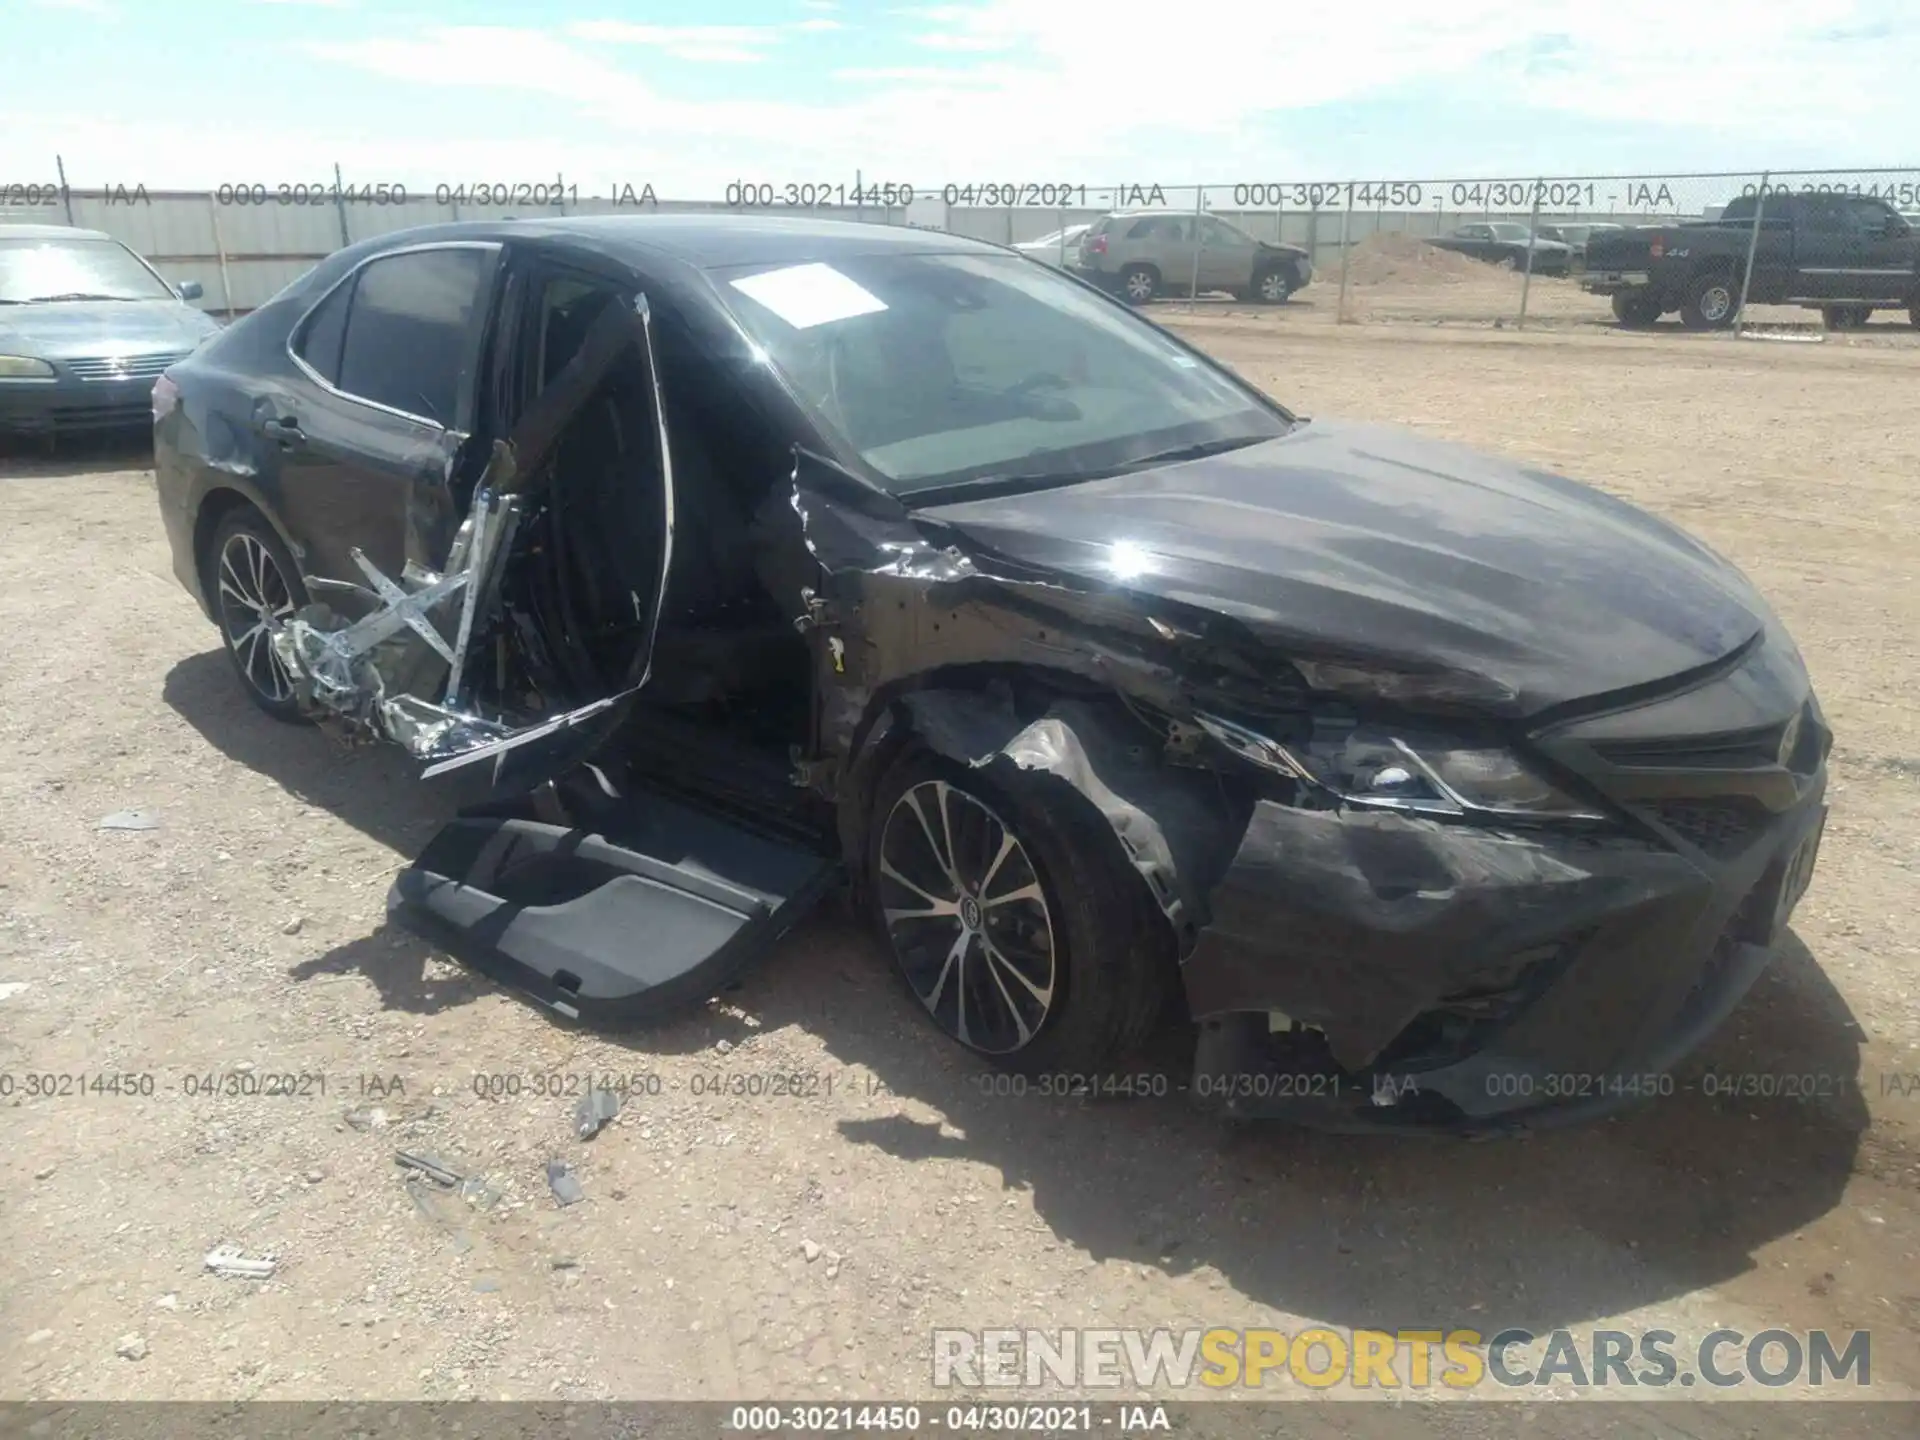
[[819, 614]]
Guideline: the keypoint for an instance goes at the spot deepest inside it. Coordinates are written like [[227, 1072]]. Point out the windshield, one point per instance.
[[940, 369], [1509, 232], [43, 269]]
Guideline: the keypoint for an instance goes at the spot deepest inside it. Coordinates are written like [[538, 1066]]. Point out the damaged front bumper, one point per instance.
[[1363, 969]]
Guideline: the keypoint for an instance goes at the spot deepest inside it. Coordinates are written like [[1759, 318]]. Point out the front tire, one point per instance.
[[255, 587], [1273, 287], [1712, 301], [1013, 918], [1139, 284]]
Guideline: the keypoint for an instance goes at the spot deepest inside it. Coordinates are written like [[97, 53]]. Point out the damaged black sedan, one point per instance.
[[752, 556]]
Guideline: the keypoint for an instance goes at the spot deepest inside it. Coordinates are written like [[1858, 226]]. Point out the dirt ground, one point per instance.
[[735, 1244]]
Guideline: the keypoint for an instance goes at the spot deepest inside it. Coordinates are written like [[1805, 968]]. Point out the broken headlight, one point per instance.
[[1394, 769]]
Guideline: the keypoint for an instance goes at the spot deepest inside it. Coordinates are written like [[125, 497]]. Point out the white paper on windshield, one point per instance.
[[809, 295]]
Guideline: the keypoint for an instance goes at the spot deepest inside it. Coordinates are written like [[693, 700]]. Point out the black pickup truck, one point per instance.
[[1844, 255]]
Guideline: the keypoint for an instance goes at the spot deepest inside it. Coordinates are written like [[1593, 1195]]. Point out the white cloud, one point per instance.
[[713, 44], [1061, 92]]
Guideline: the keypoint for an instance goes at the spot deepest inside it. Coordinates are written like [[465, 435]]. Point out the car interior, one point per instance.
[[730, 670]]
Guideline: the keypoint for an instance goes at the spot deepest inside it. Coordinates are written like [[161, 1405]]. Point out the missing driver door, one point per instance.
[[594, 421]]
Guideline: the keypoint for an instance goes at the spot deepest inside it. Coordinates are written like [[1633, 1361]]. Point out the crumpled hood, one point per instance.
[[61, 329], [1377, 547]]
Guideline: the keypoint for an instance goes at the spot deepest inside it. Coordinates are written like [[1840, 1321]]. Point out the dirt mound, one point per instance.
[[1396, 259]]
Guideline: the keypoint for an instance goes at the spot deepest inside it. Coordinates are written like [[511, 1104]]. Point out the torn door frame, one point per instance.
[[933, 639], [375, 673]]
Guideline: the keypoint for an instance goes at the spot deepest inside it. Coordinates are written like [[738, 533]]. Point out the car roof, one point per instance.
[[11, 231], [707, 241]]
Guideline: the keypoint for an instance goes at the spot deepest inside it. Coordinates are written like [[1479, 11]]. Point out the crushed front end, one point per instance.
[[1470, 967]]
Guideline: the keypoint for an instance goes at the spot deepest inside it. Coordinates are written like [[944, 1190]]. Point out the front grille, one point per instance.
[[1736, 750], [87, 417], [123, 367], [1722, 827]]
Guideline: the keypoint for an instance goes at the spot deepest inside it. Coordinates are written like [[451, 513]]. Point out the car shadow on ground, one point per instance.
[[1389, 1231], [24, 457]]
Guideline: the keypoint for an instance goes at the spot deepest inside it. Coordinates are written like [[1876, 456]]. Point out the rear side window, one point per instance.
[[318, 342], [412, 335]]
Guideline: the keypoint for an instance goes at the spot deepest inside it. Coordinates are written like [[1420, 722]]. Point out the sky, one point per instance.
[[691, 98]]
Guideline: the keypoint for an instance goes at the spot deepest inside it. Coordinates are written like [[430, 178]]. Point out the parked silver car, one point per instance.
[[86, 326], [1058, 248], [1145, 253]]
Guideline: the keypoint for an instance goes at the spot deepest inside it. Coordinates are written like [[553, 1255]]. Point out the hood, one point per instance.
[[1275, 247], [63, 329], [1379, 549]]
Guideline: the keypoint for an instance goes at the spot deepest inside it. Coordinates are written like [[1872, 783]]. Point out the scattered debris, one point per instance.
[[168, 1301], [563, 1262], [365, 1118], [595, 1109], [45, 1172], [723, 1046], [39, 1337], [479, 1193], [486, 1285], [810, 1249], [131, 1347], [439, 1174], [314, 1177], [228, 1261], [565, 1186], [292, 927], [11, 988], [429, 1203], [833, 1264], [129, 820]]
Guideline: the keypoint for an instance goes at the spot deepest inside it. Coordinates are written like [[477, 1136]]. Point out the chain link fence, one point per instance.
[[1784, 251]]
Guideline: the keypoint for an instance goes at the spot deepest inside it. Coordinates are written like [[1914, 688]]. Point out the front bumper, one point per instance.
[[1366, 969], [66, 405]]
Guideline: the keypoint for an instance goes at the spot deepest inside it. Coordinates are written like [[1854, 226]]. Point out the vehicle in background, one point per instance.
[[1843, 255], [1505, 243], [1143, 254], [1576, 235], [86, 326], [1060, 248]]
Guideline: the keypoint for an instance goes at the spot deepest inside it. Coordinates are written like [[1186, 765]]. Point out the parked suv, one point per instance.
[[1145, 253]]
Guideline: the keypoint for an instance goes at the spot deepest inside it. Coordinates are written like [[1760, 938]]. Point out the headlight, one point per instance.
[[1370, 766], [24, 367]]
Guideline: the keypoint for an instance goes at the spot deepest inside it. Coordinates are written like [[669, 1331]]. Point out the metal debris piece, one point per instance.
[[227, 1260], [365, 1118], [564, 1184], [428, 1166], [131, 1347], [479, 1193], [595, 1109], [129, 820]]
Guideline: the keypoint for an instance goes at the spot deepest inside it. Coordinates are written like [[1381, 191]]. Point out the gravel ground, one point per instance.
[[734, 1243]]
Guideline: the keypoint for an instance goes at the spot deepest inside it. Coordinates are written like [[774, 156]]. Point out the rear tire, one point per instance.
[[255, 587], [1636, 308], [1846, 317], [1064, 908], [1139, 284], [1712, 302]]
